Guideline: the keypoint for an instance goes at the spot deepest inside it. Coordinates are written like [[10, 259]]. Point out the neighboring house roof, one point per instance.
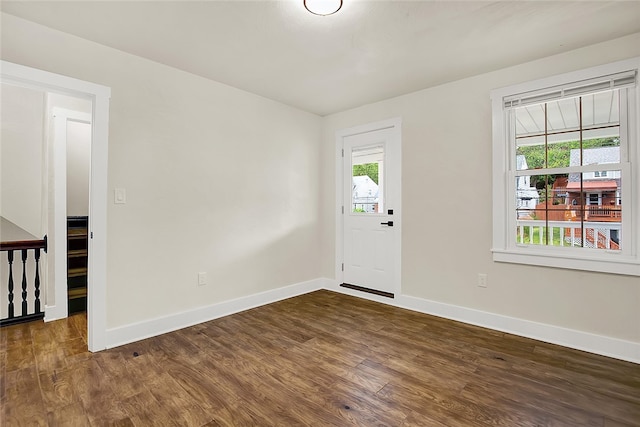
[[591, 156], [363, 186], [592, 185]]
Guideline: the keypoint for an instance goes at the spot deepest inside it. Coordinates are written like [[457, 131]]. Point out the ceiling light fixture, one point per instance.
[[323, 7]]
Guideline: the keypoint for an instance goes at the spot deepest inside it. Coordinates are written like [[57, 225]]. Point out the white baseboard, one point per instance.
[[54, 312], [161, 325], [592, 343]]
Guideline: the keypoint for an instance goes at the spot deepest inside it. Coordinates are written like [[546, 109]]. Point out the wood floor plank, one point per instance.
[[569, 380], [365, 380], [13, 417], [507, 389], [114, 367], [241, 414], [513, 412], [320, 359], [58, 389], [431, 405], [79, 322], [106, 410], [207, 387], [90, 382], [44, 340], [3, 342], [19, 357], [305, 398], [3, 376], [611, 423], [181, 407], [370, 403], [144, 409], [123, 422], [50, 360], [71, 415], [22, 403], [421, 420], [19, 334], [76, 350], [432, 377]]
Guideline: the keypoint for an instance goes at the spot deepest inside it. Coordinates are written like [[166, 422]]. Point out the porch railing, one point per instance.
[[22, 252], [591, 234], [612, 212]]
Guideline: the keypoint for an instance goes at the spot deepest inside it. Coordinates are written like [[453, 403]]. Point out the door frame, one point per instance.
[[396, 125], [58, 218], [99, 95]]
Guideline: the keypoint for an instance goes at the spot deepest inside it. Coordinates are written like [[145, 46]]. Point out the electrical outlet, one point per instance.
[[202, 279], [482, 280]]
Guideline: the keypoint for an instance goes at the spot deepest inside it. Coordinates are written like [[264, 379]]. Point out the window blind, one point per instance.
[[583, 87]]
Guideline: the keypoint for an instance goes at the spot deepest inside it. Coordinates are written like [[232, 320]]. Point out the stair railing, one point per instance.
[[23, 248]]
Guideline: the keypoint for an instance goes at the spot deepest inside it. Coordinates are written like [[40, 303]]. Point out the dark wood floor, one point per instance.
[[321, 359]]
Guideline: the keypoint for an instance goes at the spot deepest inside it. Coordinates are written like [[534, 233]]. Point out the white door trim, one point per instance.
[[58, 218], [395, 124], [15, 74]]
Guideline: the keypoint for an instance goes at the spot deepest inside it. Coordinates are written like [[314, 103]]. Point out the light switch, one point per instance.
[[120, 196]]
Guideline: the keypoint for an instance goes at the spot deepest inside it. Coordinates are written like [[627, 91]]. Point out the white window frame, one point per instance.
[[505, 247]]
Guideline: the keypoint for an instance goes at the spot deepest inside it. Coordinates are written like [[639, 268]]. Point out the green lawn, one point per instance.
[[553, 240]]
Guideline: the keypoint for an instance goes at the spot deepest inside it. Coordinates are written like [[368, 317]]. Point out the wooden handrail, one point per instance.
[[24, 244]]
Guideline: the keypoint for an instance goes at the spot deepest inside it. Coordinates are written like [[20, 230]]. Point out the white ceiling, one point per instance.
[[369, 51]]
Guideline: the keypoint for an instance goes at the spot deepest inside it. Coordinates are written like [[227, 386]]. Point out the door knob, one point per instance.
[[389, 223]]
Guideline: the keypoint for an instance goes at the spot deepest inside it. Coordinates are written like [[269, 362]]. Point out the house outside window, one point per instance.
[[564, 151], [365, 195]]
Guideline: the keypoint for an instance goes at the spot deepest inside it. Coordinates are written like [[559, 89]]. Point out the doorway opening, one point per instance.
[[77, 145], [97, 97], [70, 144]]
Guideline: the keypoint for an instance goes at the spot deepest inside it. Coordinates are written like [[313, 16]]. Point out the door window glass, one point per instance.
[[367, 195]]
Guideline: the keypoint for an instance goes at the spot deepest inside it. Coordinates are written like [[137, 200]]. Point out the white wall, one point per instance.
[[21, 153], [78, 160], [217, 179], [446, 134]]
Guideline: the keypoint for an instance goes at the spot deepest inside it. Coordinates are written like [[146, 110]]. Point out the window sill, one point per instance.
[[617, 264]]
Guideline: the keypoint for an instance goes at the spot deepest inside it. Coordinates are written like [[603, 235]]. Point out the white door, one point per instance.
[[371, 219], [63, 135]]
